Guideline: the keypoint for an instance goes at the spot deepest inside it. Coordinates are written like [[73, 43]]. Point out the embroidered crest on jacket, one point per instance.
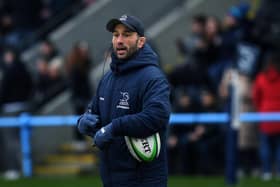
[[123, 104]]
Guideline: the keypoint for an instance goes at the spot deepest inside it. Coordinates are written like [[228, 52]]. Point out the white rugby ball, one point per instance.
[[144, 149]]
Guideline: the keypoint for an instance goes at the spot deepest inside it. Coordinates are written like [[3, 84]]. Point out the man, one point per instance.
[[266, 98], [132, 100], [15, 93]]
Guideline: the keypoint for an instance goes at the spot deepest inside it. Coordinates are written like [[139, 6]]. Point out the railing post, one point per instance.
[[232, 132], [25, 134]]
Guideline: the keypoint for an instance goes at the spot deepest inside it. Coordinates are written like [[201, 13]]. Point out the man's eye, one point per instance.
[[127, 34]]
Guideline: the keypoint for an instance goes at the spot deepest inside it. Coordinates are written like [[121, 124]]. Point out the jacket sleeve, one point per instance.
[[154, 115], [93, 106]]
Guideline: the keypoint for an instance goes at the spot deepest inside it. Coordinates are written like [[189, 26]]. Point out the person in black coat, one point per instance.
[[15, 91], [16, 84]]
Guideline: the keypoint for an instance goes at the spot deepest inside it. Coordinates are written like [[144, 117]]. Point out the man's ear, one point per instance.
[[141, 41]]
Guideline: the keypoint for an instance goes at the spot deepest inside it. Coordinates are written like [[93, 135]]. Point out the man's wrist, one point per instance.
[[116, 129]]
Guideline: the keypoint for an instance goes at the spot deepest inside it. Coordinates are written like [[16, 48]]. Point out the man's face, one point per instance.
[[126, 42]]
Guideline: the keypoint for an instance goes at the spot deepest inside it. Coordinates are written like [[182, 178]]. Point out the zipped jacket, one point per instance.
[[134, 97]]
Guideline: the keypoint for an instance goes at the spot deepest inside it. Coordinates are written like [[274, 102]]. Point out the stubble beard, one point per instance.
[[130, 52]]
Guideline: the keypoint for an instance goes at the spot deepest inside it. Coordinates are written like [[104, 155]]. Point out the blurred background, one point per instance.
[[53, 53]]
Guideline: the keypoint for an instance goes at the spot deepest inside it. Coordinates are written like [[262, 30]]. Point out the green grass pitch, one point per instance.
[[174, 181]]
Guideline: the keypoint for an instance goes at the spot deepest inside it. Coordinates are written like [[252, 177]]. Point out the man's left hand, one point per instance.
[[104, 136]]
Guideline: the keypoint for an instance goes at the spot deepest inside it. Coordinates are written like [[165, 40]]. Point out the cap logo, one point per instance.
[[123, 18]]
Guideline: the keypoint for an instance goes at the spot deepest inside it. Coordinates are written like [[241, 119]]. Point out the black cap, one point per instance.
[[131, 22]]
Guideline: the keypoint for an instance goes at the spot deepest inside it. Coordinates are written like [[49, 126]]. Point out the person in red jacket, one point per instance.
[[266, 97]]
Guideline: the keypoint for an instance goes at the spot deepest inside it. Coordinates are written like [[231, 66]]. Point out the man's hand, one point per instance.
[[104, 136], [88, 124]]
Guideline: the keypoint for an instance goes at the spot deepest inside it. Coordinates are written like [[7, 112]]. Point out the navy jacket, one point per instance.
[[134, 96]]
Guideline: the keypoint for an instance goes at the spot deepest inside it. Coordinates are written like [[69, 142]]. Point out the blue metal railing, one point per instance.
[[25, 121]]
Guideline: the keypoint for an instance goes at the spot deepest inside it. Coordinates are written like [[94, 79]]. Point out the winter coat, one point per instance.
[[266, 97], [16, 85], [134, 97]]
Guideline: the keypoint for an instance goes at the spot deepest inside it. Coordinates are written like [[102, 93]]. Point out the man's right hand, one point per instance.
[[88, 124]]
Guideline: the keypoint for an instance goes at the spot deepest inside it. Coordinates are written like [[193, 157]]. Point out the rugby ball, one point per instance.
[[144, 149]]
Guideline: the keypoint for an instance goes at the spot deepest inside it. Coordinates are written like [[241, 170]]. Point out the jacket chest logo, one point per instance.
[[123, 103]]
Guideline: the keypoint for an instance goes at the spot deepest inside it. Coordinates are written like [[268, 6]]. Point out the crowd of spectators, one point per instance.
[[22, 23], [31, 20], [242, 42], [27, 86], [22, 90]]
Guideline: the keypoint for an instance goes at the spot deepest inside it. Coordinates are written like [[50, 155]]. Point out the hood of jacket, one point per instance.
[[143, 57], [271, 74]]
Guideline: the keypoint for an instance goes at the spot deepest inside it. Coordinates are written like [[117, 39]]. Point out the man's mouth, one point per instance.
[[121, 50]]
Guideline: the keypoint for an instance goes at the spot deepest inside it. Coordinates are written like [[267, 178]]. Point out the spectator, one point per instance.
[[43, 80], [15, 77], [52, 8], [8, 32], [266, 98], [48, 50], [248, 132], [204, 50], [78, 65], [207, 139], [25, 16], [15, 91], [50, 79], [210, 52], [268, 24], [50, 73], [180, 154], [25, 13], [186, 46], [231, 35]]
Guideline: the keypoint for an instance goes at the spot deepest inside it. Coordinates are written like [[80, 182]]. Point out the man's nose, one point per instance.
[[120, 39]]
